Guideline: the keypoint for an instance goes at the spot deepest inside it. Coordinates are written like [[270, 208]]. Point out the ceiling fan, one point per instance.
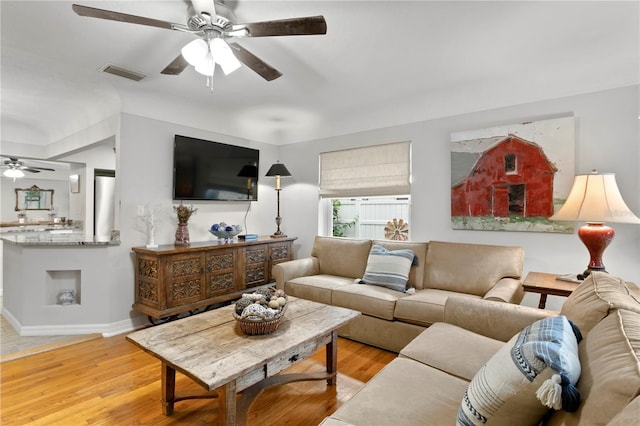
[[213, 23], [15, 168]]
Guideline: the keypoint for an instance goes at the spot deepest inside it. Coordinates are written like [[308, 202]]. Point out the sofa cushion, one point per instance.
[[343, 257], [515, 386], [599, 294], [425, 307], [610, 355], [405, 392], [388, 268], [315, 287], [452, 349], [416, 273], [470, 268], [368, 299]]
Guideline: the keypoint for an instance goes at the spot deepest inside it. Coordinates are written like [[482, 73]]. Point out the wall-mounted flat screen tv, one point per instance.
[[207, 170]]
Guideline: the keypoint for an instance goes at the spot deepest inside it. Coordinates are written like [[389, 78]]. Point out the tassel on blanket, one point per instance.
[[558, 393], [570, 395], [550, 392]]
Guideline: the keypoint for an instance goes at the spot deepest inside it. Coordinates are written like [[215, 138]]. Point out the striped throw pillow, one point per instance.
[[536, 370], [388, 268]]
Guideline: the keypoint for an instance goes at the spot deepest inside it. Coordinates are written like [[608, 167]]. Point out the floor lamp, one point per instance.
[[278, 170], [595, 199]]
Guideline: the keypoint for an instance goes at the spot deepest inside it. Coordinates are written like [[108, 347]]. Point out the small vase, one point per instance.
[[67, 297], [182, 235]]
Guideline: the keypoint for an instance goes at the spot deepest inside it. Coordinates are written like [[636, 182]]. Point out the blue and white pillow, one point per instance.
[[388, 268], [536, 370]]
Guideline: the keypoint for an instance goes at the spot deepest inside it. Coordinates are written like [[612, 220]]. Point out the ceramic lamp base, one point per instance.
[[596, 237]]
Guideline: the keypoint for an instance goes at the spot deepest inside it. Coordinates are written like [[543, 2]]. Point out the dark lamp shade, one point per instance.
[[278, 169], [248, 171]]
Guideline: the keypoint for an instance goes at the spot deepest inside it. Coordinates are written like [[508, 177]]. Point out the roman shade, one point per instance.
[[367, 171]]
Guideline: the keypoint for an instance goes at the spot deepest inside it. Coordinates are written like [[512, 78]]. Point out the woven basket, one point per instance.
[[251, 326]]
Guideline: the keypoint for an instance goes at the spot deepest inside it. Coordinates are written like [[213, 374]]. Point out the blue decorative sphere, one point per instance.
[[215, 227]]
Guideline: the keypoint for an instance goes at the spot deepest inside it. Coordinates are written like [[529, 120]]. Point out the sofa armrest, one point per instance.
[[498, 320], [286, 271], [506, 290]]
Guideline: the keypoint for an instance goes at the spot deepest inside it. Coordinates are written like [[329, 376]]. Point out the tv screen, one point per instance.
[[207, 170]]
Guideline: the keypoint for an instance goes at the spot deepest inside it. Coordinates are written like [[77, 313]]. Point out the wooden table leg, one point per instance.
[[543, 301], [332, 358], [227, 405], [168, 388]]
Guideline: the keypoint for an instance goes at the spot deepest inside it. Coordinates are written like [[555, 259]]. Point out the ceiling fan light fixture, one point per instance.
[[195, 52], [13, 173], [224, 56], [207, 65]]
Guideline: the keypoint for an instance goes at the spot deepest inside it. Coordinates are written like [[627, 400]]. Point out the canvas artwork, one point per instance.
[[512, 177]]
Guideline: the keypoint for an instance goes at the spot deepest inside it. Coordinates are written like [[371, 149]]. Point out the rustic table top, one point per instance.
[[212, 350]]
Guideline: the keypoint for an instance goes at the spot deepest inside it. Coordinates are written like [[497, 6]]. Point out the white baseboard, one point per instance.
[[107, 330]]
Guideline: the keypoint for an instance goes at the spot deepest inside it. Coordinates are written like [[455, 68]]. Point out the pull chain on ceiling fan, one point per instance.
[[214, 23]]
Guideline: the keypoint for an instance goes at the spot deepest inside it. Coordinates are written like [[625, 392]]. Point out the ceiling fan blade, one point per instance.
[[29, 169], [92, 12], [176, 66], [284, 27], [205, 7], [37, 169], [263, 69]]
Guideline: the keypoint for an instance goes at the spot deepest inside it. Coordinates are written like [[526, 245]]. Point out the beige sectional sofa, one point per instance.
[[390, 319], [427, 383]]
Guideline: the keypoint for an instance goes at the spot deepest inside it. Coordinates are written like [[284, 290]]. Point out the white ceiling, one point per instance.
[[381, 63]]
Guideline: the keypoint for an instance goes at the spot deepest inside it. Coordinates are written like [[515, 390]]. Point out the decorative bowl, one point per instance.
[[225, 235], [224, 231]]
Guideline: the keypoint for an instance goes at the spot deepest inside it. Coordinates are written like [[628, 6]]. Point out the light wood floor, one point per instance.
[[12, 345], [109, 381]]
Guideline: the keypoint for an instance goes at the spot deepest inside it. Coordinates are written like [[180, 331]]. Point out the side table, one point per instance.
[[547, 284]]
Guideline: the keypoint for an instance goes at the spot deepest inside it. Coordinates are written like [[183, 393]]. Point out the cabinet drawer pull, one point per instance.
[[294, 358]]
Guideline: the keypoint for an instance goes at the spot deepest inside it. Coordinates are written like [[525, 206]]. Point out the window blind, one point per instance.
[[367, 171]]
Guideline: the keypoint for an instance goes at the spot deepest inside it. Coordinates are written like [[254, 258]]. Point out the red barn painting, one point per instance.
[[502, 176]]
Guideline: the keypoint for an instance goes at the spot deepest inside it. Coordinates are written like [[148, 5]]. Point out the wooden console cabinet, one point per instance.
[[171, 280]]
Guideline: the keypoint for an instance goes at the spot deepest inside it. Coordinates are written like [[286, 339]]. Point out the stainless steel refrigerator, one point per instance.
[[104, 202]]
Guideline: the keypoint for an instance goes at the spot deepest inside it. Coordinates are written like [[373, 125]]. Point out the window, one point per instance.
[[510, 164], [367, 217], [363, 189]]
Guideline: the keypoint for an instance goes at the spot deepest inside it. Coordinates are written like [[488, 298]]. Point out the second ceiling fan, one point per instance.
[[213, 23]]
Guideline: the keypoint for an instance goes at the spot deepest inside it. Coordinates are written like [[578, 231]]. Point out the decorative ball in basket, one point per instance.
[[260, 312]]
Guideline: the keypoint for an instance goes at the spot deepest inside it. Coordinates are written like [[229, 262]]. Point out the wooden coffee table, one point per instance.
[[211, 349]]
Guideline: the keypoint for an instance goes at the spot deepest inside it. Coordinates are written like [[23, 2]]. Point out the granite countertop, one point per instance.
[[57, 239]]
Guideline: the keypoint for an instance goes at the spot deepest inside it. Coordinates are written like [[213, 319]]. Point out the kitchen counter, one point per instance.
[[40, 267], [56, 238]]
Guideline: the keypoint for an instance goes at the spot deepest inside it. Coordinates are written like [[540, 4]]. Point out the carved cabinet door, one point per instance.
[[279, 252], [256, 265], [220, 272], [185, 278]]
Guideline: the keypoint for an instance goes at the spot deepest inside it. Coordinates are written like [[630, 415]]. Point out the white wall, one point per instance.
[[144, 175], [607, 139]]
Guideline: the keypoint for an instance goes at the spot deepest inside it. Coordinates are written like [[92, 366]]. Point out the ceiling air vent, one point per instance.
[[123, 72]]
